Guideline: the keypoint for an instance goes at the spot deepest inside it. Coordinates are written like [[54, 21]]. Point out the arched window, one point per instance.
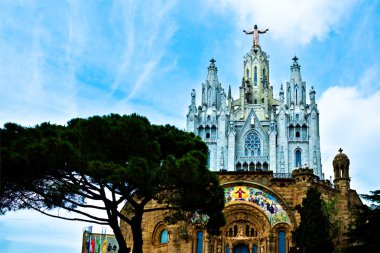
[[252, 145], [199, 242], [254, 249], [201, 132], [304, 132], [164, 236], [255, 76], [298, 158], [252, 232], [207, 131], [281, 242], [213, 132], [247, 231], [264, 79], [230, 232], [247, 74], [235, 230], [251, 166], [298, 134]]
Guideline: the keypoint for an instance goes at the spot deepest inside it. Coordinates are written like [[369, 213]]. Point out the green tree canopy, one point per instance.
[[112, 161], [312, 234]]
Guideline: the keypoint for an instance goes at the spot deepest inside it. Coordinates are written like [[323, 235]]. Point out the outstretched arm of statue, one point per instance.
[[251, 32], [264, 31]]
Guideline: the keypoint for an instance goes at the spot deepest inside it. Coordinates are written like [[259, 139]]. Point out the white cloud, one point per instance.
[[290, 21], [349, 119]]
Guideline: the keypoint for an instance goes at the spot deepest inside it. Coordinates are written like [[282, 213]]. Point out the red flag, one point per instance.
[[93, 245]]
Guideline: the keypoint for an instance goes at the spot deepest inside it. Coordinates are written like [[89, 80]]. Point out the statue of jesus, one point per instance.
[[255, 33]]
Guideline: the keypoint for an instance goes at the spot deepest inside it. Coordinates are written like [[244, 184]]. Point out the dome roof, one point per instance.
[[341, 159]]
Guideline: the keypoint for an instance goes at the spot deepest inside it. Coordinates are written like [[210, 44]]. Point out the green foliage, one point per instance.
[[112, 159], [364, 233], [331, 210], [312, 234]]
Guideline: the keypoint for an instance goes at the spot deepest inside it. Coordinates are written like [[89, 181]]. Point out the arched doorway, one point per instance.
[[241, 249]]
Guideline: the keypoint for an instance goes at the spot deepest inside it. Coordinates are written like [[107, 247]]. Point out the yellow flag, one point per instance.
[[104, 247]]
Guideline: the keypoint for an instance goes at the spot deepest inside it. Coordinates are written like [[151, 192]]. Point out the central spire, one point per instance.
[[212, 75], [295, 71]]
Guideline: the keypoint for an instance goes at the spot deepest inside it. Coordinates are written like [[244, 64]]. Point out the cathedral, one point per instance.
[[266, 152], [257, 132]]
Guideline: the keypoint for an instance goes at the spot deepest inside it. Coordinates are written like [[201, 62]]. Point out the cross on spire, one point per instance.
[[340, 150]]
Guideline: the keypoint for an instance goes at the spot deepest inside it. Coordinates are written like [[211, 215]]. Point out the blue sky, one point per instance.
[[66, 59]]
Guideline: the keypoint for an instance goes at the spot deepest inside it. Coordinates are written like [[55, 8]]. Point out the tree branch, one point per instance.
[[65, 218]]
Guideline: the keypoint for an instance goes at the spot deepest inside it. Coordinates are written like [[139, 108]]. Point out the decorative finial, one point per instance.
[[295, 58], [212, 60], [340, 150]]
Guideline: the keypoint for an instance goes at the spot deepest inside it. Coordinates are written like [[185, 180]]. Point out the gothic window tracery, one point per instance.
[[255, 76], [252, 145]]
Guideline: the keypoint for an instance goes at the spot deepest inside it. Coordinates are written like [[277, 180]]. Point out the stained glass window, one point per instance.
[[252, 145]]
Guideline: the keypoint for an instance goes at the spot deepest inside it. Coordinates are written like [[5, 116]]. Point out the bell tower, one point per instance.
[[341, 165]]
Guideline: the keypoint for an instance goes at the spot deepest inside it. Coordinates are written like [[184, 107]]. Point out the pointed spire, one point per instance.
[[295, 71], [312, 95], [282, 94], [229, 92], [212, 72]]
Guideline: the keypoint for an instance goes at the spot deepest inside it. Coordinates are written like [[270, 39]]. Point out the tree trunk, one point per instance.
[[119, 237], [137, 232]]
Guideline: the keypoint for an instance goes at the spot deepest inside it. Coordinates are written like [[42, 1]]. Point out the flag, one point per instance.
[[97, 250], [104, 247], [93, 245], [88, 244]]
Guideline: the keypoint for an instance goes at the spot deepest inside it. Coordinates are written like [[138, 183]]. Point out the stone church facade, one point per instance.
[[266, 152]]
